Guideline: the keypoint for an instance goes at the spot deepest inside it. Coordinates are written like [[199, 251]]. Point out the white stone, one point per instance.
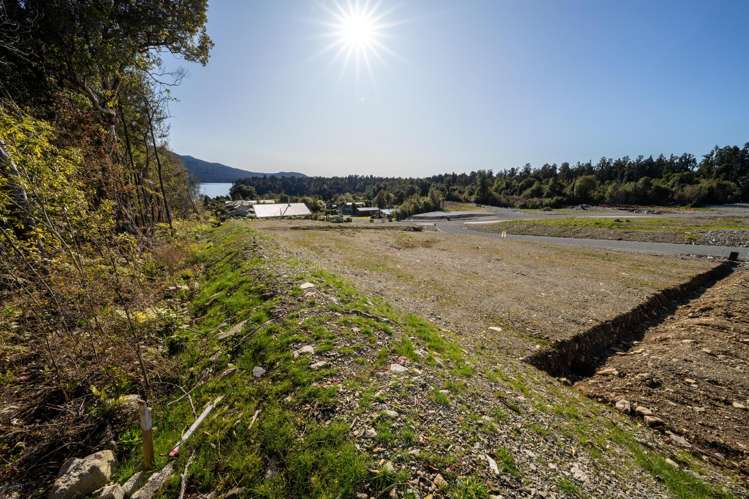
[[623, 405], [306, 285], [304, 350], [81, 477], [397, 368], [258, 371], [492, 465]]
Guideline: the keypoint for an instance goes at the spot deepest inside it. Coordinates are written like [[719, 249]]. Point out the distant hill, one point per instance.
[[206, 171]]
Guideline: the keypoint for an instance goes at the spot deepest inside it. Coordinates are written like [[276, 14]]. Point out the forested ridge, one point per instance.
[[721, 176]]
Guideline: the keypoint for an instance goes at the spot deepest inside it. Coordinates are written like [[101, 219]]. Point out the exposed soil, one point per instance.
[[691, 372], [547, 439], [535, 294]]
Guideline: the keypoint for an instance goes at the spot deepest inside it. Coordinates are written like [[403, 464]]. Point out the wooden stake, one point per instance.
[[146, 426]]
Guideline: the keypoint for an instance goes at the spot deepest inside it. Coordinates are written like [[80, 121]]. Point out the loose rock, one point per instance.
[[440, 482], [608, 371], [81, 477], [643, 411], [258, 371], [624, 406], [112, 491], [155, 483], [653, 421], [306, 349], [397, 368], [134, 483]]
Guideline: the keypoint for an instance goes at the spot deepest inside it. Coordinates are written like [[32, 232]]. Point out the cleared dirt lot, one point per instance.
[[691, 371], [535, 293], [504, 300]]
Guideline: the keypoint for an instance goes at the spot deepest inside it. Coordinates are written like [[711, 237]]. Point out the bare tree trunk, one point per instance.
[[159, 169]]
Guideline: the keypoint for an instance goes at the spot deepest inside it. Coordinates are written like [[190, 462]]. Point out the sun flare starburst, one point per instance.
[[358, 30]]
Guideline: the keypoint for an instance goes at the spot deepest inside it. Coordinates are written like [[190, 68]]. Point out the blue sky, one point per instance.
[[473, 84]]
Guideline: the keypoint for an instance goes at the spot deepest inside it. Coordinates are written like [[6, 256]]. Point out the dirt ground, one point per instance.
[[536, 294], [691, 372], [503, 300]]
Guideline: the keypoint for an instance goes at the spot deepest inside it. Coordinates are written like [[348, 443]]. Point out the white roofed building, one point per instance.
[[279, 210]]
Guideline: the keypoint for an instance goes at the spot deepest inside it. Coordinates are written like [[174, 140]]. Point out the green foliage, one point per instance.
[[468, 488], [569, 488], [680, 483], [506, 463]]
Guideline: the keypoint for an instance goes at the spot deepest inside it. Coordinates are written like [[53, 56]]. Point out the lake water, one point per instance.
[[215, 189]]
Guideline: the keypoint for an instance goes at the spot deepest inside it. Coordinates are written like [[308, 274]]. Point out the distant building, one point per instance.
[[368, 211], [350, 208], [280, 210], [266, 208]]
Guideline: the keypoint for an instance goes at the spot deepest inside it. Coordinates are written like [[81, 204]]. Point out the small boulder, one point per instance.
[[155, 483], [624, 406], [643, 411], [81, 477], [370, 433], [134, 483], [306, 349], [608, 371], [738, 405], [653, 421], [319, 364], [678, 440], [440, 482], [112, 491], [258, 371], [130, 403], [390, 413], [306, 285]]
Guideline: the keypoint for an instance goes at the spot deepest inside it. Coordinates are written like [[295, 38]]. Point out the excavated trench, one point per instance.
[[578, 357]]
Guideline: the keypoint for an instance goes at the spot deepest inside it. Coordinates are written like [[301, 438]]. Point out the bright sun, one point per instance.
[[357, 30]]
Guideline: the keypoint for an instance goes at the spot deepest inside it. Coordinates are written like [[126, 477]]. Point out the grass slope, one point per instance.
[[340, 420]]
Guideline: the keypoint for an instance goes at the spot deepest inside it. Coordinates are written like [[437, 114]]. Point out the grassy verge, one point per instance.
[[663, 229], [250, 313]]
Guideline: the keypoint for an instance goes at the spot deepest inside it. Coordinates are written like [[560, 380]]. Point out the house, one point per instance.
[[350, 208], [368, 211]]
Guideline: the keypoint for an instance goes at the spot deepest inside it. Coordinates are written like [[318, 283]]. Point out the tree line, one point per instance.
[[721, 176]]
